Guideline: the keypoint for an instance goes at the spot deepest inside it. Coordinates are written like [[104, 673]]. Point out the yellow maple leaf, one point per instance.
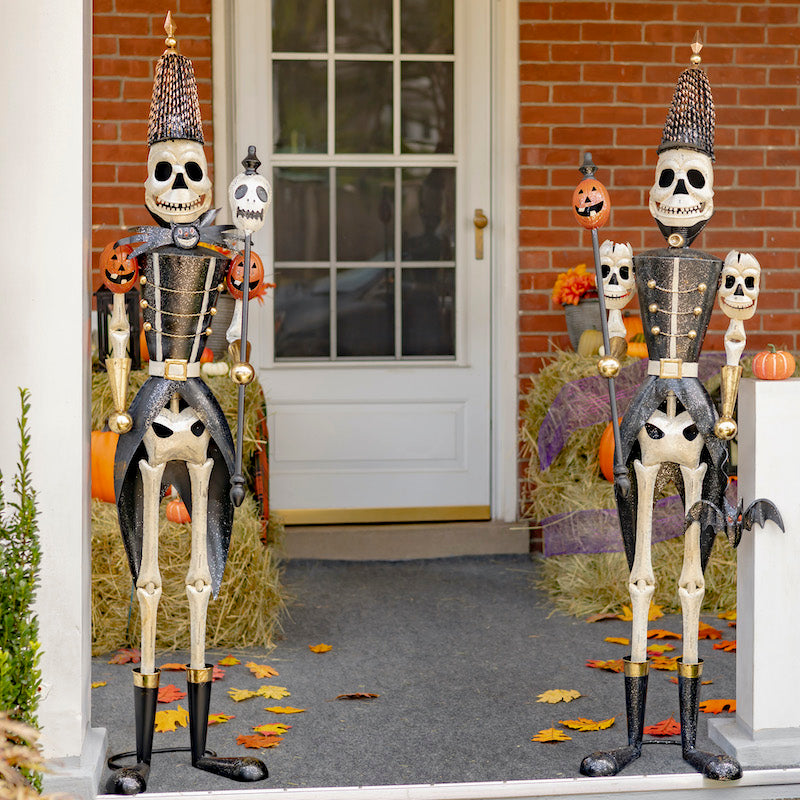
[[583, 724], [273, 692], [558, 696], [626, 615], [262, 670], [238, 695], [320, 648], [617, 640], [284, 710], [729, 615], [275, 728], [551, 735], [653, 613], [218, 719], [659, 648], [98, 684], [229, 661], [171, 718], [665, 662]]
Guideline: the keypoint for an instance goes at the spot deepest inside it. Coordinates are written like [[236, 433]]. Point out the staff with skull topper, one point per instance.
[[249, 195], [592, 208]]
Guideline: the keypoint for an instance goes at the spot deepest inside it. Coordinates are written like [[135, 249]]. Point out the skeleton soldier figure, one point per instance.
[[671, 431], [175, 433]]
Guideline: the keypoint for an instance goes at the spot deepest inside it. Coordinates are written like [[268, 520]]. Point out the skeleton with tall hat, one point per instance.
[[671, 432], [174, 433]]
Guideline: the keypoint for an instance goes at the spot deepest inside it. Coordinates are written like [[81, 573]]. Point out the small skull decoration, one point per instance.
[[683, 192], [177, 188], [739, 285], [118, 268], [249, 197], [616, 261]]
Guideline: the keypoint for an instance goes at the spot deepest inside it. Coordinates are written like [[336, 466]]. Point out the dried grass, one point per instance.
[[19, 759], [246, 613]]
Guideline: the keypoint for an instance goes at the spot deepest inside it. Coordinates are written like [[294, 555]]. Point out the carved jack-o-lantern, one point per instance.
[[590, 203], [235, 278], [118, 270]]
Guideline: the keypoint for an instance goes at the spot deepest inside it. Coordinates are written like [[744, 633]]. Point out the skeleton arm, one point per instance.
[[616, 261], [118, 364], [738, 296]]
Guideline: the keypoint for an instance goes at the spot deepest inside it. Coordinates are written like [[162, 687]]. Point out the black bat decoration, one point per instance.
[[734, 521]]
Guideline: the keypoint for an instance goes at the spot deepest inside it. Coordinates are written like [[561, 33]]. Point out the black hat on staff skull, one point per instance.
[[175, 106], [691, 117]]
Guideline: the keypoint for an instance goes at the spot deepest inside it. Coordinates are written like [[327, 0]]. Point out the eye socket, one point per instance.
[[262, 193], [605, 269], [750, 282], [666, 178], [730, 281], [194, 171], [240, 192], [696, 178], [162, 171], [624, 273]]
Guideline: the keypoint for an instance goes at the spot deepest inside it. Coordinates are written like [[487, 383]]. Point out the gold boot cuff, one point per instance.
[[690, 670], [635, 669], [204, 675], [146, 681]]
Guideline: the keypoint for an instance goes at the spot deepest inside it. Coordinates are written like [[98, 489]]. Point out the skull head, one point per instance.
[[616, 261], [249, 196], [739, 285], [683, 192], [177, 188]]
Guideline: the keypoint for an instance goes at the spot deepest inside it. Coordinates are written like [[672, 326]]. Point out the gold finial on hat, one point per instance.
[[697, 46], [169, 27]]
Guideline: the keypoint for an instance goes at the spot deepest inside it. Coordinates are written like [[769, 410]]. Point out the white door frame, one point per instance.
[[502, 231]]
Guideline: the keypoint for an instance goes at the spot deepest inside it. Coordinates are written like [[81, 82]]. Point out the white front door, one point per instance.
[[372, 121]]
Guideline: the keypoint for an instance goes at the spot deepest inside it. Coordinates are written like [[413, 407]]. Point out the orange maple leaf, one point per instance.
[[217, 674], [551, 735], [229, 661], [614, 665], [598, 617], [218, 719], [170, 692], [126, 656], [716, 706], [262, 670], [320, 648], [667, 727], [659, 648], [617, 640], [657, 633], [174, 667], [665, 662], [729, 646], [708, 632], [259, 740]]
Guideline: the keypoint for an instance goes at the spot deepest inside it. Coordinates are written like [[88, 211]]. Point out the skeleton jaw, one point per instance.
[[677, 213], [180, 205]]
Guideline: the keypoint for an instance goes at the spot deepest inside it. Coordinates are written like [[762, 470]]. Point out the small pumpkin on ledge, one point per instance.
[[773, 364]]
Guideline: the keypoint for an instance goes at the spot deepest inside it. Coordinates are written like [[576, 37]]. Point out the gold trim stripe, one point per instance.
[[146, 681], [635, 669], [347, 516], [690, 670]]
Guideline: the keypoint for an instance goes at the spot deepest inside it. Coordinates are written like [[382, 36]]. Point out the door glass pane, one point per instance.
[[364, 214], [429, 230], [428, 297], [302, 313], [426, 107], [365, 312], [363, 107], [299, 27], [301, 213], [426, 26], [300, 107], [363, 26]]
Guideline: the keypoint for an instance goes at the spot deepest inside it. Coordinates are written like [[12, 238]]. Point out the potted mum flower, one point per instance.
[[576, 291]]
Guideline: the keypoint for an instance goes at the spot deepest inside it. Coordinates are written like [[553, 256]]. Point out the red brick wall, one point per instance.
[[127, 41], [599, 76]]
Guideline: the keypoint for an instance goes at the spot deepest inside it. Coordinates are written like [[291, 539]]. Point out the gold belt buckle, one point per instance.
[[175, 369], [670, 368]]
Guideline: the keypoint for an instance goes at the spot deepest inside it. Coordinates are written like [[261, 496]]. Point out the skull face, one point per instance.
[[739, 285], [249, 196], [683, 192], [177, 188], [616, 261]]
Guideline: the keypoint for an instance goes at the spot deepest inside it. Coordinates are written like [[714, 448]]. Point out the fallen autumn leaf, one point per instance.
[[583, 724], [667, 727], [551, 735], [558, 696]]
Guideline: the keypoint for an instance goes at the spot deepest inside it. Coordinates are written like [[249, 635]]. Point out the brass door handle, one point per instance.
[[480, 221]]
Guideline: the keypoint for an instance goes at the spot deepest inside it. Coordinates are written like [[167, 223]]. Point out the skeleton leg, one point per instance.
[[691, 584], [198, 579], [148, 584]]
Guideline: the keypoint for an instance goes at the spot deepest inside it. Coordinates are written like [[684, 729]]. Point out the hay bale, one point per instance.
[[246, 613]]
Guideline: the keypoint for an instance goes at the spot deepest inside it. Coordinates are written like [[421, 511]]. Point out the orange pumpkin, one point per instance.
[[118, 269], [634, 336], [605, 452], [591, 204], [104, 447], [773, 364], [143, 353], [235, 278], [176, 511]]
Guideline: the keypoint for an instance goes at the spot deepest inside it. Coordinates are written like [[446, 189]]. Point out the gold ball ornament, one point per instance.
[[608, 367], [725, 428], [242, 373], [120, 421]]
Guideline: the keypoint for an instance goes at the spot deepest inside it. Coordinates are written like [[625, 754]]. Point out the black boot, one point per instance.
[[132, 780], [237, 768], [613, 761], [717, 767]]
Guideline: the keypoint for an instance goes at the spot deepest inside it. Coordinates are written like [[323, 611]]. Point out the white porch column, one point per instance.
[[45, 169], [766, 729]]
